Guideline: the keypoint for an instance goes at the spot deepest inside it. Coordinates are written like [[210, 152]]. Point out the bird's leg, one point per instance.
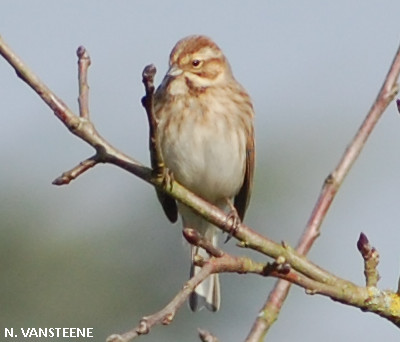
[[163, 174], [232, 220]]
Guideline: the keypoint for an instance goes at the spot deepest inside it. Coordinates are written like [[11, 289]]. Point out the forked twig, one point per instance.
[[220, 262], [318, 281], [277, 296], [83, 100]]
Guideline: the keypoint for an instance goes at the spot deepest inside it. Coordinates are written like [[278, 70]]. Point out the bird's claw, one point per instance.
[[164, 175], [232, 220]]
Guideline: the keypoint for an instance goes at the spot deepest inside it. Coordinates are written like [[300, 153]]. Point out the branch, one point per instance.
[[83, 100], [277, 296], [315, 281], [106, 153], [220, 262], [288, 265]]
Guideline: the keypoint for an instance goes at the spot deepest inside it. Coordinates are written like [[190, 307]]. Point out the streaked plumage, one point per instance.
[[207, 141]]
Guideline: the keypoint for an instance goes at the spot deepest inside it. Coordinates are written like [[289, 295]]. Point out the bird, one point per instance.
[[205, 134]]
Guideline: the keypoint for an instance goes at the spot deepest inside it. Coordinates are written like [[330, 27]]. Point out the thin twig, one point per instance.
[[371, 260], [166, 315], [277, 296], [83, 65], [160, 172], [83, 100], [206, 336], [76, 171], [148, 103], [223, 262]]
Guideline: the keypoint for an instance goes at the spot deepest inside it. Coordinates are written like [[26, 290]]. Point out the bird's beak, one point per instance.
[[174, 71]]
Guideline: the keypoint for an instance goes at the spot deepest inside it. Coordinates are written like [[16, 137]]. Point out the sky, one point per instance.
[[100, 253]]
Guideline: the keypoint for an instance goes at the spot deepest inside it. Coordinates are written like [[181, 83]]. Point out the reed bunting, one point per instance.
[[206, 138]]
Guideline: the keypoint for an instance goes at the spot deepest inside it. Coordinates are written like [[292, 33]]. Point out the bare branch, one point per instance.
[[167, 314], [157, 164], [277, 296], [106, 153], [78, 126], [316, 281], [83, 100]]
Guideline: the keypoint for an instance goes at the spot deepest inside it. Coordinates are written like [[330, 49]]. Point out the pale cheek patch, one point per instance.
[[178, 87]]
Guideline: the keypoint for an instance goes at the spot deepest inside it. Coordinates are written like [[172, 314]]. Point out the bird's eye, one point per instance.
[[196, 63]]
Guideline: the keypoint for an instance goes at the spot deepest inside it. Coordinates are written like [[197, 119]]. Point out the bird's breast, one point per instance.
[[204, 149]]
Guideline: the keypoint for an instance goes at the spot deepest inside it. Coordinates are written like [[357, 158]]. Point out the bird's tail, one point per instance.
[[207, 293]]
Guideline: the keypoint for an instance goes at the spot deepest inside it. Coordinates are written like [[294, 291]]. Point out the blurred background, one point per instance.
[[100, 253]]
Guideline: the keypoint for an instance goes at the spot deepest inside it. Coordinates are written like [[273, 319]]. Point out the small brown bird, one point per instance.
[[206, 137]]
